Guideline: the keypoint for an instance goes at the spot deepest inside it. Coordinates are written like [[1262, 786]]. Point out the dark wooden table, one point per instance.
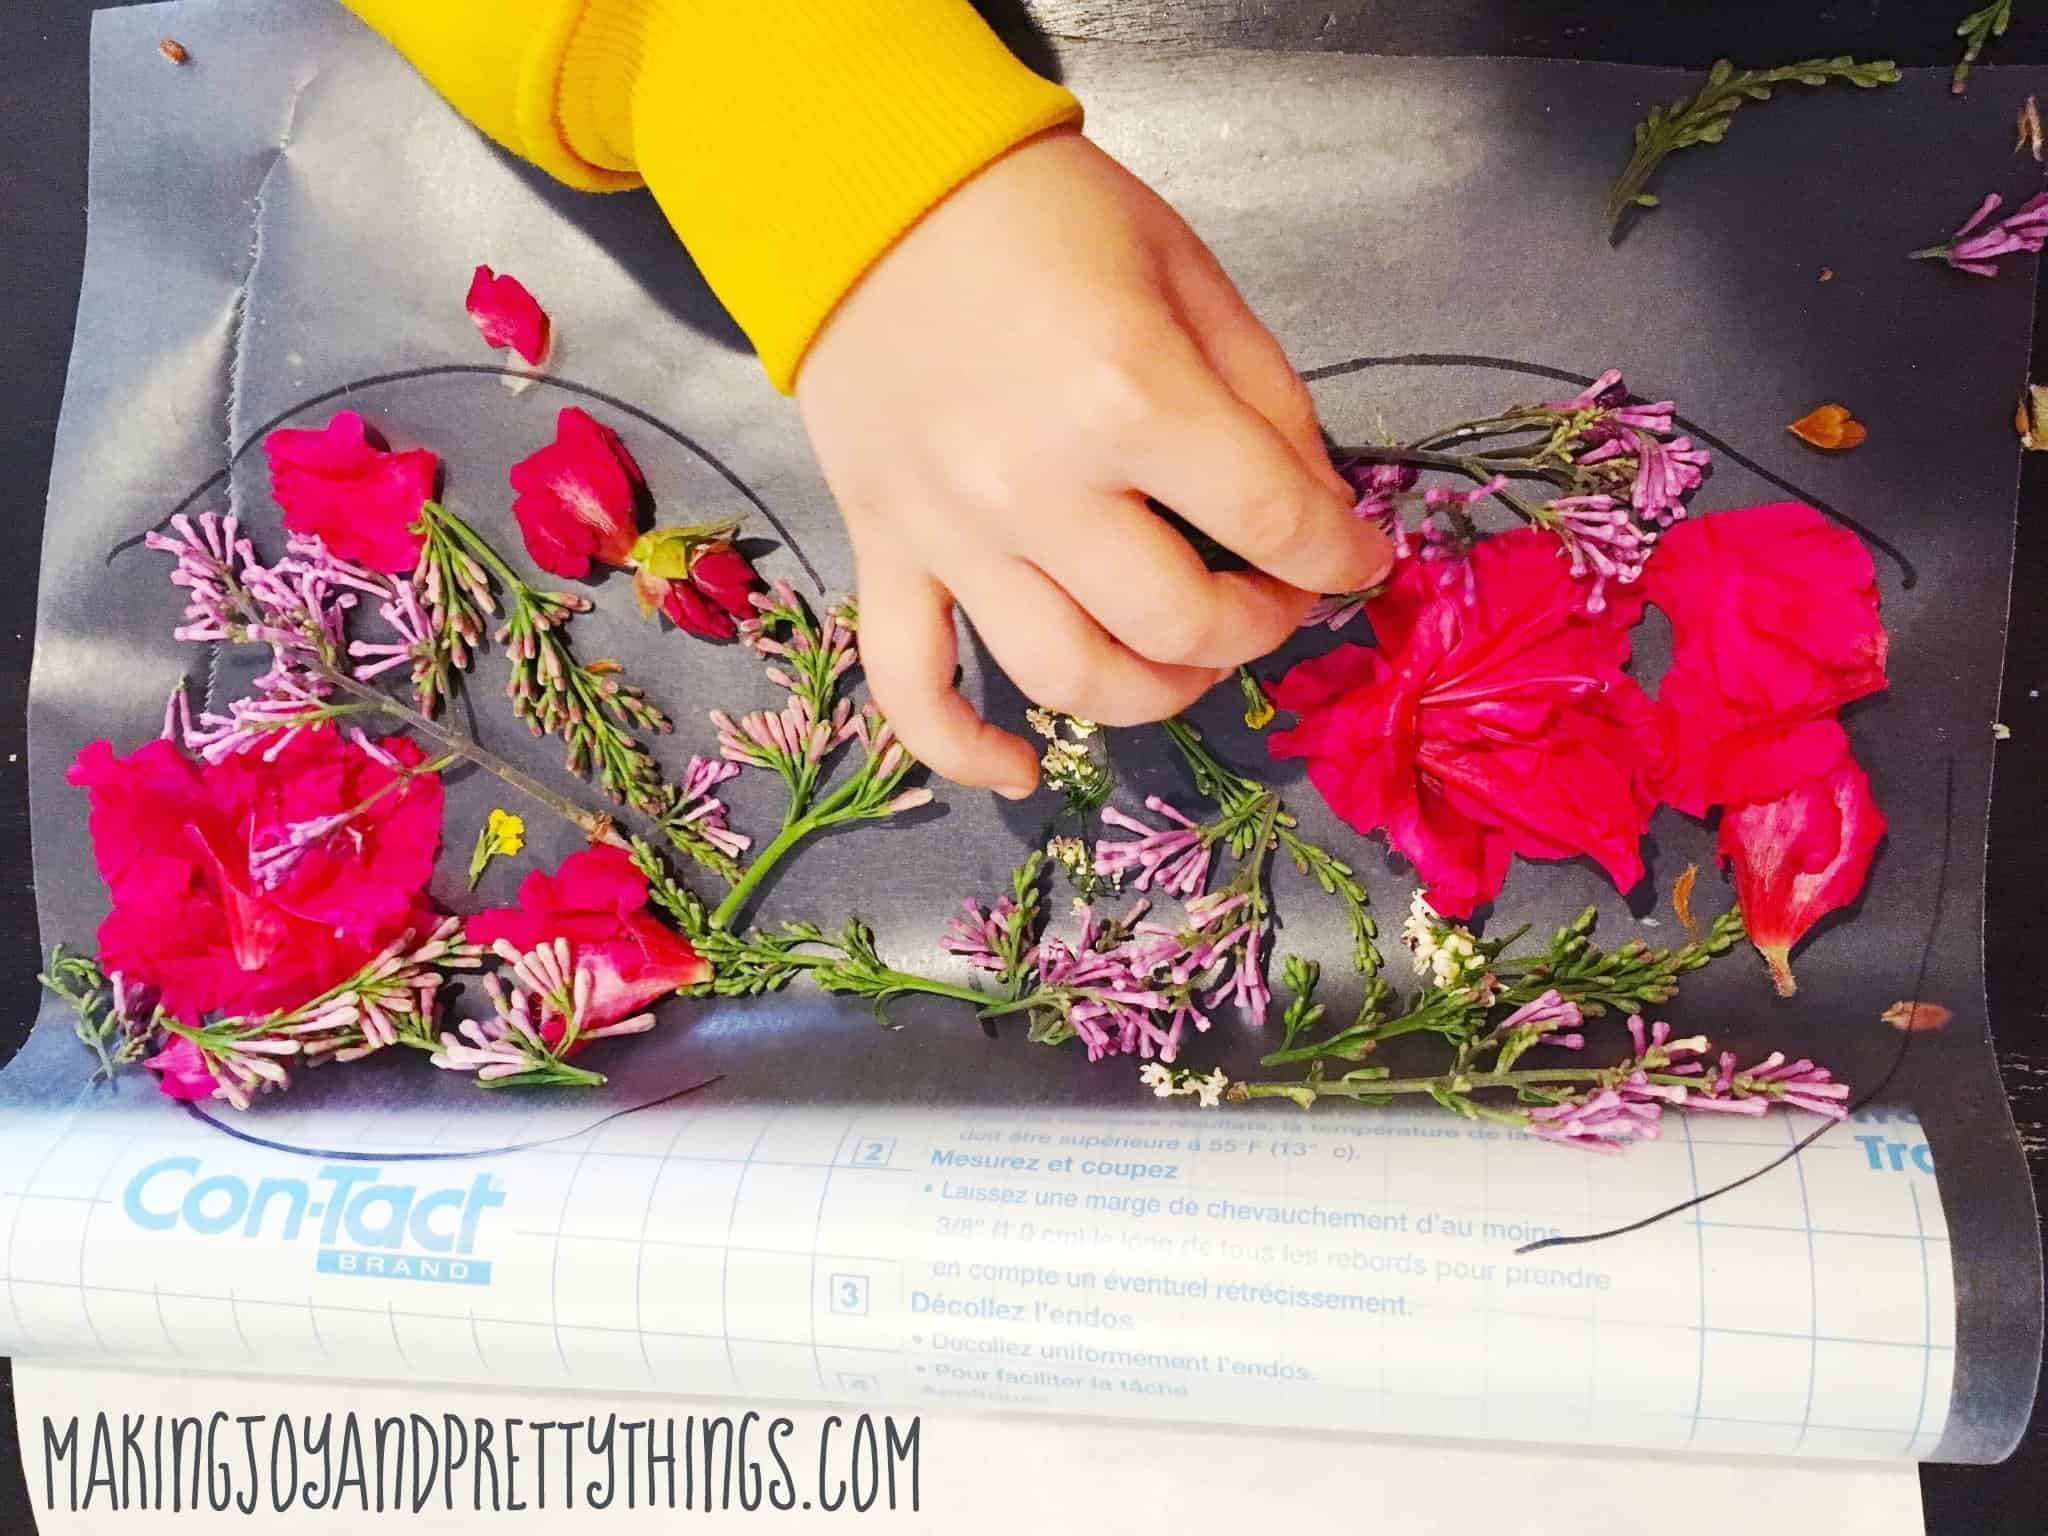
[[43, 145]]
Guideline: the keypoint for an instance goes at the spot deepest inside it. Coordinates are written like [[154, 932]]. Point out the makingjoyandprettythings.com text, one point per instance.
[[256, 1463]]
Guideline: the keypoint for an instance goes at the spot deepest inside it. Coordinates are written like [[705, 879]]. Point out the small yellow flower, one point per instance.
[[503, 833], [506, 831], [1258, 709]]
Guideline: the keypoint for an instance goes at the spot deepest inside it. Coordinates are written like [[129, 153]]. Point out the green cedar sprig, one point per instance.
[[1703, 118]]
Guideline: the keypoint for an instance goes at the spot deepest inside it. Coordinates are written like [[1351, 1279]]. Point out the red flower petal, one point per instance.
[[694, 613], [340, 484], [181, 1071], [578, 499], [1799, 857], [597, 901], [1471, 734], [1775, 626], [727, 577], [172, 839], [506, 315]]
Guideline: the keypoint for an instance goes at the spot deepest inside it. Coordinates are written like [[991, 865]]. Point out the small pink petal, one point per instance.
[[506, 315]]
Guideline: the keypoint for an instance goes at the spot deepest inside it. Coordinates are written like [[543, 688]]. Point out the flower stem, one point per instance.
[[594, 825], [792, 833], [1485, 426], [1478, 468], [1453, 1082], [480, 547]]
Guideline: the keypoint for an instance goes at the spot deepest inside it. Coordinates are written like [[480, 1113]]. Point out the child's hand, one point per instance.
[[992, 403]]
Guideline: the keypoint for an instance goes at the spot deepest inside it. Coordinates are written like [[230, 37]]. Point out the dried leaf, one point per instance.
[[173, 50], [1829, 427], [2030, 418], [602, 666], [1681, 901], [2030, 130], [1915, 1017], [1827, 274]]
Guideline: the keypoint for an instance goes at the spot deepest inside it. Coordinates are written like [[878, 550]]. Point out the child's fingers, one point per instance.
[[1246, 356], [908, 648], [1230, 472], [1060, 657], [1143, 583]]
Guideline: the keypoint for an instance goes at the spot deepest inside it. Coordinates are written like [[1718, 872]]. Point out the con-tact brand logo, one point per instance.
[[361, 1224]]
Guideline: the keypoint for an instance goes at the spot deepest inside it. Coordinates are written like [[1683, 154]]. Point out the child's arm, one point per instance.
[[1000, 340]]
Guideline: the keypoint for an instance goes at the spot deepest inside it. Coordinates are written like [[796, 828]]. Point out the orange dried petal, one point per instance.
[[1829, 427], [1915, 1017], [1681, 901]]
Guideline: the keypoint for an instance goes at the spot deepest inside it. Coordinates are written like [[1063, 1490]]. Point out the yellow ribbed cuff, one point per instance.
[[501, 64], [791, 142]]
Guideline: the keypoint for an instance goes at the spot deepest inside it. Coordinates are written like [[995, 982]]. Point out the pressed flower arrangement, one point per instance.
[[268, 858]]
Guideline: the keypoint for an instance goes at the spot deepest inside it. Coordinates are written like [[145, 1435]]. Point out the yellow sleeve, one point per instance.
[[790, 142]]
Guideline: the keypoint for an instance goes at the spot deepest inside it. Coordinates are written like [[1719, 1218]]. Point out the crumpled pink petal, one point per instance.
[[597, 901], [340, 483], [181, 1071], [1475, 732], [506, 315], [1799, 857], [1774, 622], [578, 499]]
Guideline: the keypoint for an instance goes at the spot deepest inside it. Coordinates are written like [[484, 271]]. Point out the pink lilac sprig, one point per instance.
[[1619, 468], [433, 643], [446, 607], [1976, 249], [1175, 857], [537, 1022], [272, 860], [1381, 489], [1598, 1109], [297, 608], [1604, 543], [1616, 441], [394, 999], [1448, 532], [697, 823], [813, 659], [1130, 985], [808, 656], [1121, 986], [792, 742]]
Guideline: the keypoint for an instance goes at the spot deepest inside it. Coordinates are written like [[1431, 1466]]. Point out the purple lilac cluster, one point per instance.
[[298, 607], [1133, 986], [396, 995], [535, 1021], [1174, 857], [792, 735], [1380, 487], [1635, 438], [2024, 229], [1447, 533], [701, 811], [1632, 1106], [1604, 541]]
